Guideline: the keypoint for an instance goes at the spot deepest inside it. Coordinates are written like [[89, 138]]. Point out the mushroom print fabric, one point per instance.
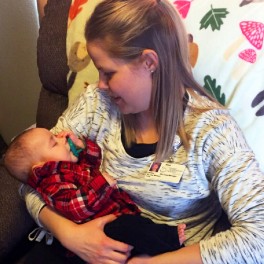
[[227, 56]]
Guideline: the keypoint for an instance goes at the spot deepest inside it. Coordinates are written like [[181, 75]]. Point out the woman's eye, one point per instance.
[[108, 75]]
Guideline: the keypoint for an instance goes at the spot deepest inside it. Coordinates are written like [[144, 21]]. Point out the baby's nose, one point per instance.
[[62, 139]]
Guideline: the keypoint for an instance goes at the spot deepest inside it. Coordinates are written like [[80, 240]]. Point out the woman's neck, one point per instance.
[[146, 131]]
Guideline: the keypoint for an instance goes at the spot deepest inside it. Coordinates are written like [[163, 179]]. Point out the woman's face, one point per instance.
[[129, 82]]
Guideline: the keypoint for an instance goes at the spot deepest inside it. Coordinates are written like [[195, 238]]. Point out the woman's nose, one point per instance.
[[102, 84]]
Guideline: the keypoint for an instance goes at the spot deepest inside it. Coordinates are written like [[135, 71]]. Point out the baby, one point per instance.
[[65, 170]]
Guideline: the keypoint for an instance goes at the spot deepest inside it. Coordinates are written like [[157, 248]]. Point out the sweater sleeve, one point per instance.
[[34, 202], [239, 183], [85, 115]]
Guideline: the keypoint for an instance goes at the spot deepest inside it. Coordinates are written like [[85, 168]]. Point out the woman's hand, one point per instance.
[[90, 243], [88, 240]]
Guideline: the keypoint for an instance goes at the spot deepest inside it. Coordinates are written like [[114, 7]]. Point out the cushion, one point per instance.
[[227, 55], [15, 222], [51, 47], [226, 44], [82, 70], [47, 117]]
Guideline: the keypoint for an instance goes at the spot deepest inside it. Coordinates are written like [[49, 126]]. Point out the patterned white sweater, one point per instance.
[[220, 171]]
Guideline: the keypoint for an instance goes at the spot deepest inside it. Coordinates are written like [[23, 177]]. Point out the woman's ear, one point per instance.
[[150, 59]]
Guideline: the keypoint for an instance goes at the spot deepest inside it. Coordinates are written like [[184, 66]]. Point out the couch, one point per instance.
[[15, 222], [227, 56]]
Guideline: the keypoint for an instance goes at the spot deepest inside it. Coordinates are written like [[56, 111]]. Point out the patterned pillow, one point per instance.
[[82, 70], [227, 56]]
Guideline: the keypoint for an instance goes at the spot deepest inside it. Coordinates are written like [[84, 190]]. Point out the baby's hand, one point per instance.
[[76, 141], [111, 181]]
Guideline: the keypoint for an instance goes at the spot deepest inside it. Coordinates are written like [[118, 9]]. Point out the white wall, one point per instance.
[[19, 82]]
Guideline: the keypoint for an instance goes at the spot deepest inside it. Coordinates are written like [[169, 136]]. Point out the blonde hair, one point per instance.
[[127, 27], [19, 157]]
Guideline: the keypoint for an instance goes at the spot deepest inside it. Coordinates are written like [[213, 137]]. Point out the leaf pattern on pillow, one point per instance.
[[75, 9], [257, 101], [214, 18], [213, 89], [182, 7], [193, 50]]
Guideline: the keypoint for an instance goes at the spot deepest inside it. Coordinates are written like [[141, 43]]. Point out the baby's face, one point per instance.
[[50, 147]]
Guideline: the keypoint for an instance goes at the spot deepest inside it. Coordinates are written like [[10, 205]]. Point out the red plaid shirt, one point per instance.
[[78, 190]]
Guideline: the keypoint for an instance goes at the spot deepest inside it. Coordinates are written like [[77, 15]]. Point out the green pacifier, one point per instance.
[[73, 148]]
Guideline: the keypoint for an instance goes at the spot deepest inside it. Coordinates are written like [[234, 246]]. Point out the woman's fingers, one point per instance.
[[91, 244]]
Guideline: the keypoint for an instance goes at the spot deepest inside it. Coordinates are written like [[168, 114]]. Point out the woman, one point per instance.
[[148, 108]]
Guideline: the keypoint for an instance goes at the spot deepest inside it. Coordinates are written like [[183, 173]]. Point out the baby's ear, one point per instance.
[[150, 59]]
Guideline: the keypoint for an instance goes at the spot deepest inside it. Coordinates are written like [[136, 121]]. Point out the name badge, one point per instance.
[[166, 172]]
